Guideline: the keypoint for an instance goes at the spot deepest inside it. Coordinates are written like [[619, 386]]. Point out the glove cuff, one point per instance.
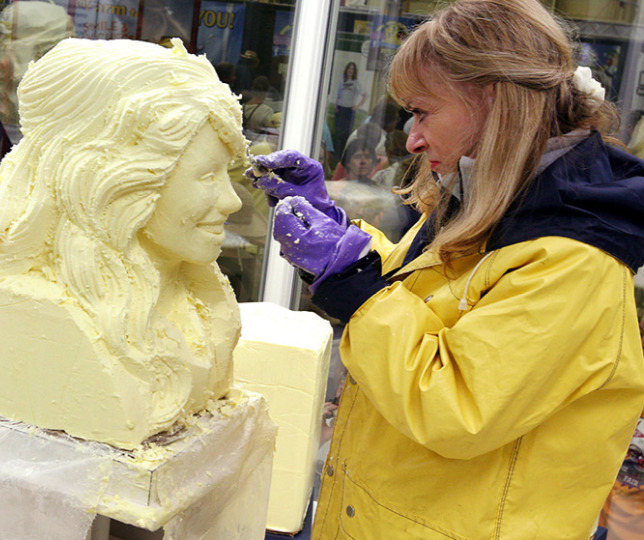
[[341, 295], [352, 246]]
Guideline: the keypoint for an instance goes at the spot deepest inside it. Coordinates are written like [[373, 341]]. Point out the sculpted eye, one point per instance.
[[208, 178]]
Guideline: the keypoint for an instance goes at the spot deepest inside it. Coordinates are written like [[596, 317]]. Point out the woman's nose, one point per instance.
[[415, 141]]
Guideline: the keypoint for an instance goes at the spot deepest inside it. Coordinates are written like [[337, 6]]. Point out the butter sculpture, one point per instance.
[[284, 355], [116, 320]]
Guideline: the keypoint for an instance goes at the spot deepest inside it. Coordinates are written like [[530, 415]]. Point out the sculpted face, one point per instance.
[[188, 222]]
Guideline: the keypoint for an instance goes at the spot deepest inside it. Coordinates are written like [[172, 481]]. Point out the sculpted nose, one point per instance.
[[228, 202]]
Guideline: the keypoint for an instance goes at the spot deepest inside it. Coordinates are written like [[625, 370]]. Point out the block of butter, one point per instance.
[[284, 355]]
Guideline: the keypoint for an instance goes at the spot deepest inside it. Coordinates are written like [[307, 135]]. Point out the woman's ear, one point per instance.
[[489, 94]]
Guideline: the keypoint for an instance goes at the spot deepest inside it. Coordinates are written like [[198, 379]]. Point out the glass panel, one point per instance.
[[357, 107], [248, 42]]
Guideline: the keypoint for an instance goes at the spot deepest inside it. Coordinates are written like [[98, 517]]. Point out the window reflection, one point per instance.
[[364, 122], [164, 19], [249, 44]]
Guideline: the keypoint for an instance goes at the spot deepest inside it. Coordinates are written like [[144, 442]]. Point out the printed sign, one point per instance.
[[221, 29]]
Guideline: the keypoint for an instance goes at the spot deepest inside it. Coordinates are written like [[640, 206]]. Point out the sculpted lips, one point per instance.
[[212, 227]]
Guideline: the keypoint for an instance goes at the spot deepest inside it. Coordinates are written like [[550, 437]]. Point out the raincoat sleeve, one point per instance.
[[545, 327]]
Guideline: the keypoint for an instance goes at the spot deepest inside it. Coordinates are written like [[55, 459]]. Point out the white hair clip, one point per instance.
[[583, 82]]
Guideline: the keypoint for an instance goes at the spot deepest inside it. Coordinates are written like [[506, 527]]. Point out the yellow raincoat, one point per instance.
[[496, 403]]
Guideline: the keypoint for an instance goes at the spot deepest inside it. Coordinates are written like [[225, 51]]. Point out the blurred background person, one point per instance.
[[359, 160], [246, 72], [227, 73], [257, 115], [358, 195], [372, 137], [396, 151], [350, 97]]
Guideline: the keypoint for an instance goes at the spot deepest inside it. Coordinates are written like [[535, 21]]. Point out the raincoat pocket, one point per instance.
[[364, 517]]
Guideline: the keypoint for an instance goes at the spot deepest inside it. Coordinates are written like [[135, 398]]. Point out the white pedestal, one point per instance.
[[209, 480]]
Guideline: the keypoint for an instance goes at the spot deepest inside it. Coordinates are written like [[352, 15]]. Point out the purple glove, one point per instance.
[[289, 173], [314, 242]]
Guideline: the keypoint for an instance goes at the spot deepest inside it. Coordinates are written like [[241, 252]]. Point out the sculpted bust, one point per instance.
[[116, 320]]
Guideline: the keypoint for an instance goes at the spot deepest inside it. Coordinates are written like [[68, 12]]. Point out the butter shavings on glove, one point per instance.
[[312, 241]]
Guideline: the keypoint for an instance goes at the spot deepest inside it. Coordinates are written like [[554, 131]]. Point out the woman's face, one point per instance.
[[196, 200], [448, 123], [360, 164], [351, 69]]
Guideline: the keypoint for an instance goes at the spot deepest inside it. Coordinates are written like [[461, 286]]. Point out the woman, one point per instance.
[[495, 367], [116, 198], [350, 97], [359, 160], [369, 136]]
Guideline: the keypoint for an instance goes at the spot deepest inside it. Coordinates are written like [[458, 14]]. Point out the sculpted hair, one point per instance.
[[85, 178], [526, 54]]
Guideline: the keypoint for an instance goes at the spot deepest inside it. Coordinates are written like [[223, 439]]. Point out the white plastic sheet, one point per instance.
[[214, 476], [41, 489]]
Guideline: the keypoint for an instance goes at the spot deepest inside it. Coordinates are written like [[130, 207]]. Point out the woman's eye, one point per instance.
[[419, 115]]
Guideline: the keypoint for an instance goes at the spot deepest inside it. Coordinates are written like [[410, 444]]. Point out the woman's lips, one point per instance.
[[434, 164]]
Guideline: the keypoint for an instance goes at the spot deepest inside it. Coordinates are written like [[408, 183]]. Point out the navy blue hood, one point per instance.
[[594, 194]]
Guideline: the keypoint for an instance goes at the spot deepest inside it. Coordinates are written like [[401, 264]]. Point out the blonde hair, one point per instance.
[[527, 55]]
